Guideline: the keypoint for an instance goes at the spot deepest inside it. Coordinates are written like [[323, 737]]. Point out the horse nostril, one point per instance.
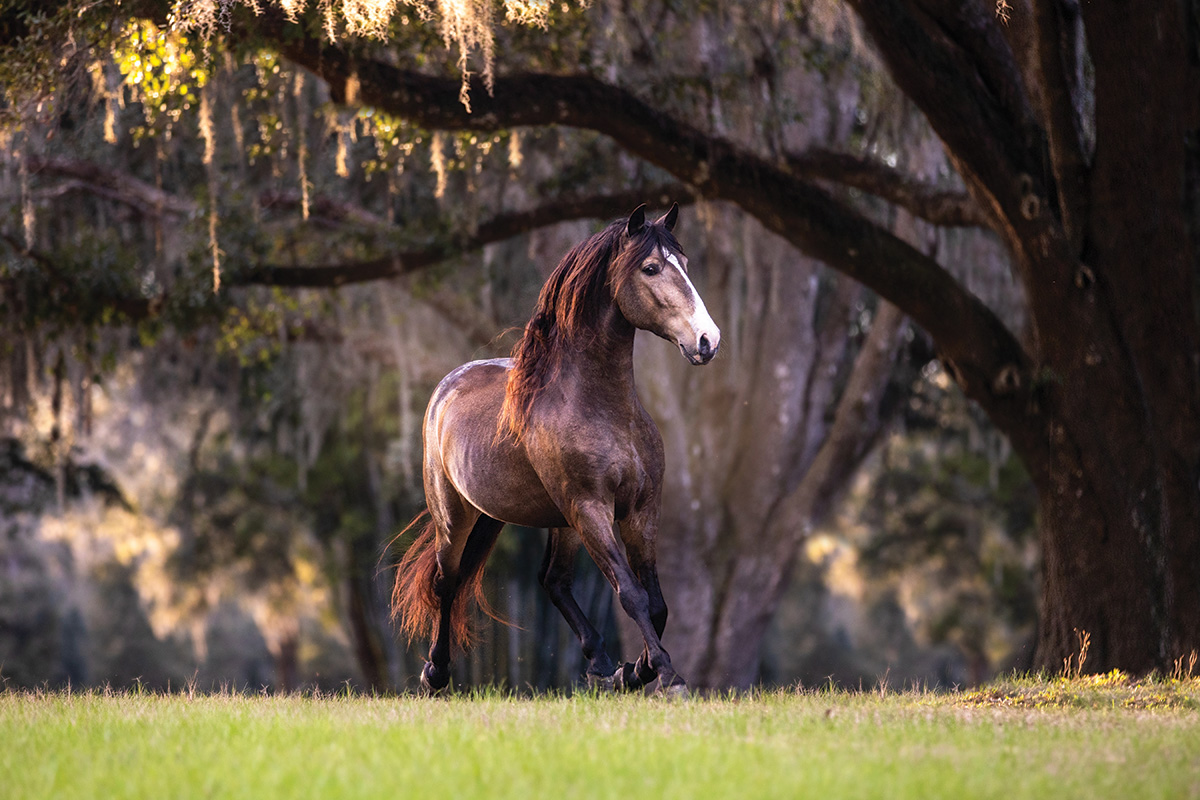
[[705, 346]]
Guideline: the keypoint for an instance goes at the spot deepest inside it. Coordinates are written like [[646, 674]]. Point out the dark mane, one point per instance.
[[568, 311]]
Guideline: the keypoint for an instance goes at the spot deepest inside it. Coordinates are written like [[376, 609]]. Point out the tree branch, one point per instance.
[[114, 185], [857, 424], [949, 60], [799, 210], [39, 258], [939, 206], [806, 215], [121, 187], [971, 29], [498, 228], [323, 206], [1059, 28]]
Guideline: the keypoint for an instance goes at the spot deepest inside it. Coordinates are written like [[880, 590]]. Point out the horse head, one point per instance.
[[657, 295]]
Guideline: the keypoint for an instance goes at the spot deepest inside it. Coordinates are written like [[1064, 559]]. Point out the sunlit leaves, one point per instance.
[[394, 139], [252, 333], [465, 24], [163, 71]]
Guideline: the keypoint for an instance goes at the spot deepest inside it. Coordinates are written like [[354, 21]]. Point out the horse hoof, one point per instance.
[[432, 682], [602, 683], [677, 691], [625, 679]]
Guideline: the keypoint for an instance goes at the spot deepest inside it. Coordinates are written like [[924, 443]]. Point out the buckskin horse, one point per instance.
[[555, 437]]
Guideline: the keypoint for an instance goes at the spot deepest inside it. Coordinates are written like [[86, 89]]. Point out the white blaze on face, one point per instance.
[[701, 321]]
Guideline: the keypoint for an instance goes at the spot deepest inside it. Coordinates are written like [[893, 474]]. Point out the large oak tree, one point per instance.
[[1075, 131]]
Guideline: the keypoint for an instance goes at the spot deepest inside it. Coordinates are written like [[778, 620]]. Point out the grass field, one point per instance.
[[1101, 737]]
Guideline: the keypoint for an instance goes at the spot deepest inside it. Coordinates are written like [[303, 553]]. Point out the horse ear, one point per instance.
[[637, 220], [668, 220]]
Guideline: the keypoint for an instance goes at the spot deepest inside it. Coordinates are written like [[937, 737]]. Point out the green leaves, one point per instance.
[[164, 70]]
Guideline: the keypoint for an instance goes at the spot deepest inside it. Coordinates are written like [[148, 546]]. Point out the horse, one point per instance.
[[556, 437]]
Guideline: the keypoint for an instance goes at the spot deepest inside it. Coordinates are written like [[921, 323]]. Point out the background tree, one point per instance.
[[729, 119], [1081, 194]]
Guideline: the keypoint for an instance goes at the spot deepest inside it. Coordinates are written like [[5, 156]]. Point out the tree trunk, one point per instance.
[[1118, 492], [1114, 567], [743, 590], [1120, 502], [1098, 209], [754, 455], [287, 662], [364, 628]]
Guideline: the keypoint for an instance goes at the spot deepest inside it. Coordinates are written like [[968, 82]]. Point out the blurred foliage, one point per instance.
[[282, 413], [943, 525]]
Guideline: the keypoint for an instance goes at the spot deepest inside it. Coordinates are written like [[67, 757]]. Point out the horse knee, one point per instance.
[[556, 585], [634, 599]]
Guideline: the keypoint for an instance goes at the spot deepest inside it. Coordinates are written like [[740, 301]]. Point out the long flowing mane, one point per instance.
[[568, 311]]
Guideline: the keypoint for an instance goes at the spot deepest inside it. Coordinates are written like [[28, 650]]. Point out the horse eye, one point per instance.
[[651, 268]]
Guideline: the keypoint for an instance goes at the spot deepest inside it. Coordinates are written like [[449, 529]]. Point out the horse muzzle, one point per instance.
[[704, 350]]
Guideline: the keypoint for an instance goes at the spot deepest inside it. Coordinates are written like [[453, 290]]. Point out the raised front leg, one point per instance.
[[638, 533], [594, 523], [557, 577]]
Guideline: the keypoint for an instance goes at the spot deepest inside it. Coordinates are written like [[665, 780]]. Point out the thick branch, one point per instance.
[[498, 228], [939, 206], [966, 330], [799, 210], [112, 184], [944, 56], [971, 29]]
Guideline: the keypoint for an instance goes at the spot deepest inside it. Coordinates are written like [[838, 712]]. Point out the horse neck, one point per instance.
[[603, 364]]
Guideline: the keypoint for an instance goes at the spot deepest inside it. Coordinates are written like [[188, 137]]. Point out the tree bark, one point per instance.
[[1114, 344], [754, 455], [760, 575]]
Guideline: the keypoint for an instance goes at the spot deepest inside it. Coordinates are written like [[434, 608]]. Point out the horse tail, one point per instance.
[[415, 603], [470, 579]]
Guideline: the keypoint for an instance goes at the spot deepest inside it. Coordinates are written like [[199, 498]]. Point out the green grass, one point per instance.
[[777, 744]]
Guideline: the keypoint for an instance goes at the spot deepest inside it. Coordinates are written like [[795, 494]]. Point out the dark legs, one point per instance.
[[436, 674], [557, 576], [460, 563], [638, 592], [628, 564], [641, 560]]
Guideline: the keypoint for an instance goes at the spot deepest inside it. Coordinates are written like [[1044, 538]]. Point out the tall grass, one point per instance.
[[776, 744]]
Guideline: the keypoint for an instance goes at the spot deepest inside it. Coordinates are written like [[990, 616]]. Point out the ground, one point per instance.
[[1095, 737]]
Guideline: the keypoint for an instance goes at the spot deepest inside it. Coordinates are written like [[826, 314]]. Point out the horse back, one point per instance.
[[464, 456]]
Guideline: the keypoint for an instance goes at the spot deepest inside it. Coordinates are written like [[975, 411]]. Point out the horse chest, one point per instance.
[[625, 464]]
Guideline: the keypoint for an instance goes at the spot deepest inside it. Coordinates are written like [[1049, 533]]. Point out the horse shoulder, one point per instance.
[[650, 442]]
